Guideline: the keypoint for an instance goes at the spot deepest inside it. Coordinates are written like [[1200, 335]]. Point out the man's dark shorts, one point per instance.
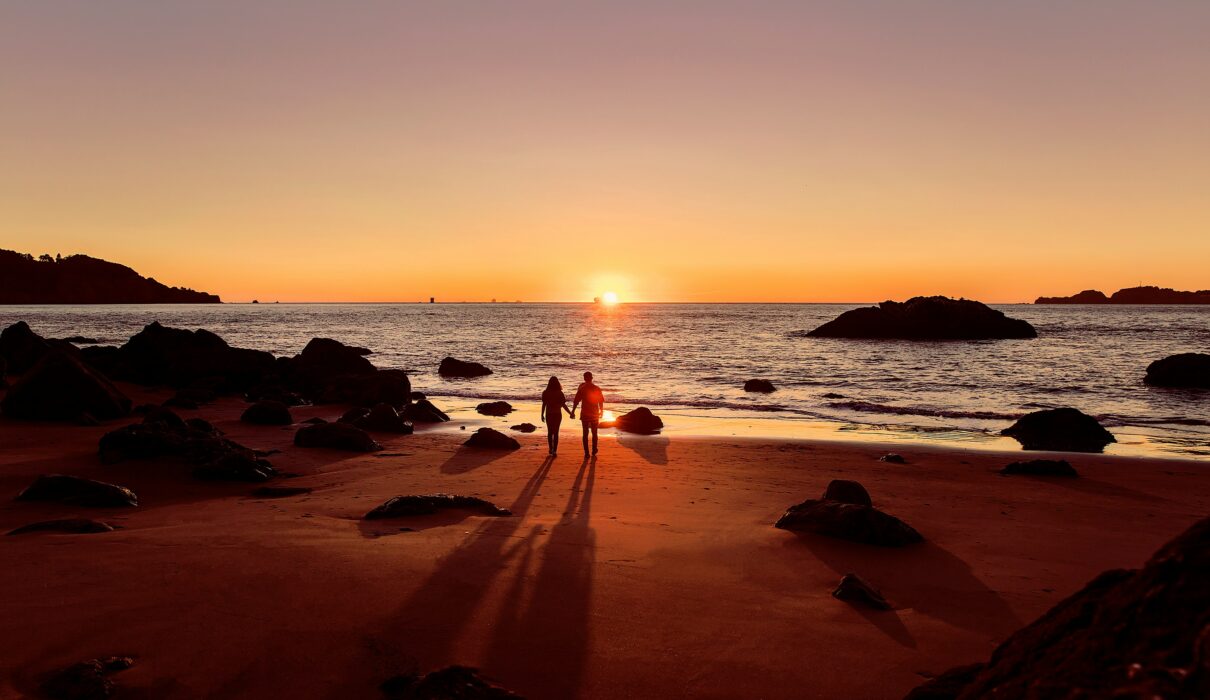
[[590, 422]]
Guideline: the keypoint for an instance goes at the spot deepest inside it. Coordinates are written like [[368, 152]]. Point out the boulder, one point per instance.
[[760, 386], [524, 427], [452, 683], [1041, 467], [390, 386], [62, 388], [87, 680], [423, 411], [383, 418], [163, 434], [489, 439], [78, 491], [71, 526], [641, 420], [267, 412], [21, 348], [1127, 634], [336, 436], [451, 367], [848, 521], [418, 396], [279, 491], [892, 458], [855, 589], [1060, 430], [925, 318], [407, 506], [81, 340], [191, 397], [324, 358], [1190, 370], [495, 408], [847, 491], [177, 357]]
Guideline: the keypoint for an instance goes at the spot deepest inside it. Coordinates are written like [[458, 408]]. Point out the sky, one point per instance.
[[667, 151]]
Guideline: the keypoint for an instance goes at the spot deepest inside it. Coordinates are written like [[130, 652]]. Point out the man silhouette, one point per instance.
[[594, 405]]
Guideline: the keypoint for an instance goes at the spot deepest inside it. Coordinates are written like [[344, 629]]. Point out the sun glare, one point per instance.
[[609, 298]]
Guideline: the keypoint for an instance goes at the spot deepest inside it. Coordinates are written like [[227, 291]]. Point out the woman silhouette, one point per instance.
[[553, 403]]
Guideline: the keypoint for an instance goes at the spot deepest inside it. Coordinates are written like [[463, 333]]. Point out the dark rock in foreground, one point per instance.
[[847, 491], [855, 589], [408, 506], [87, 680], [78, 491], [452, 683], [178, 357], [925, 318], [1041, 467], [1128, 634], [163, 434], [336, 436], [892, 458], [1190, 370], [267, 412], [62, 388], [495, 408], [489, 439], [760, 386], [524, 427], [21, 347], [947, 686], [848, 521], [423, 411], [1061, 430], [72, 526], [451, 367], [383, 418], [279, 491], [641, 420]]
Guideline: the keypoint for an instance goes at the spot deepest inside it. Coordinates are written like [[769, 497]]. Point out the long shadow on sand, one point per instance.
[[468, 459], [1090, 486], [652, 448], [924, 577]]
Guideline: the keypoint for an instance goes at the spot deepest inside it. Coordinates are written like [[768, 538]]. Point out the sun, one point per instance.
[[609, 298]]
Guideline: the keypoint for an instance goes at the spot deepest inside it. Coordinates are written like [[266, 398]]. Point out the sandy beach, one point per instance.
[[651, 571]]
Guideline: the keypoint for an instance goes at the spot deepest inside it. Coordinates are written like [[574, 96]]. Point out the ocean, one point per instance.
[[688, 362]]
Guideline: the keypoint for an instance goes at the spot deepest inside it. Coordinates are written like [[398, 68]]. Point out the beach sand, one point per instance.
[[653, 571]]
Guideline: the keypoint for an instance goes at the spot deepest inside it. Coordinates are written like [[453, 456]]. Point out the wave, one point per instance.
[[871, 407]]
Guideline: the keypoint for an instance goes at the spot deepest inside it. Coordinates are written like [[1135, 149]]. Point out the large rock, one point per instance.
[[495, 408], [423, 411], [759, 386], [336, 436], [78, 491], [21, 348], [1127, 634], [62, 388], [174, 356], [848, 521], [641, 420], [1190, 370], [326, 358], [451, 367], [383, 418], [195, 442], [87, 680], [489, 439], [1041, 467], [267, 412], [926, 318], [389, 386], [452, 683], [69, 526], [846, 491], [1060, 430], [408, 506]]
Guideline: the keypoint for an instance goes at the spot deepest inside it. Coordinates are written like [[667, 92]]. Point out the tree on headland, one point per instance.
[[80, 279]]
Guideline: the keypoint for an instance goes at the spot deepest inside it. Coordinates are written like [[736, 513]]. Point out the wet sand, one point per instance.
[[651, 571]]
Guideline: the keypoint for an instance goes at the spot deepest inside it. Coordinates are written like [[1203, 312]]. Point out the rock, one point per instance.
[[495, 408], [1088, 296], [1060, 429], [163, 434], [81, 340], [74, 526], [451, 367], [62, 388], [279, 491], [848, 521], [191, 397], [855, 589], [452, 683], [524, 427], [407, 506], [641, 420], [947, 686], [760, 386], [1041, 467], [78, 491], [21, 348], [1190, 370], [423, 411], [87, 680], [274, 390], [267, 412], [418, 396], [383, 418], [1128, 634], [389, 386], [925, 318], [892, 458], [177, 357], [833, 395], [490, 439], [336, 436], [846, 491], [316, 420], [324, 358]]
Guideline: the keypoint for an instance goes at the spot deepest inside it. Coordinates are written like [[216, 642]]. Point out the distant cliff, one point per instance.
[[79, 279], [1132, 295]]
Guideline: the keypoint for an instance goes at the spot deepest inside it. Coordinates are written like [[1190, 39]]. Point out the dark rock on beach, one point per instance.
[[1127, 634], [948, 685], [336, 436], [408, 506], [1190, 370], [855, 589], [760, 386], [846, 491], [524, 427], [925, 318], [71, 526], [389, 386], [267, 412], [423, 411], [163, 434], [78, 491], [451, 367], [892, 458], [21, 348], [62, 388], [452, 683], [1060, 430], [848, 521], [177, 357], [1041, 467], [87, 680], [495, 408], [489, 439], [383, 418], [641, 420]]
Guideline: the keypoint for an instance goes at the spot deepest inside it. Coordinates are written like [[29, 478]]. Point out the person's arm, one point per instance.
[[575, 404], [570, 412], [543, 410]]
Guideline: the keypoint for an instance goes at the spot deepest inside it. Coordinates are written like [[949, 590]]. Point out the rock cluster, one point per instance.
[[925, 318]]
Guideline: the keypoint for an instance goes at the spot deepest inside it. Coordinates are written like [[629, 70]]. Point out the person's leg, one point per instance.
[[584, 425], [552, 435], [594, 437]]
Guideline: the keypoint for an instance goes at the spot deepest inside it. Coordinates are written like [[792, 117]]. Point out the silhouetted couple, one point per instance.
[[554, 402]]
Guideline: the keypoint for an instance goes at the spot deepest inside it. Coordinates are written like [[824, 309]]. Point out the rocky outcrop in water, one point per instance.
[[1060, 430], [1190, 370], [409, 506], [60, 387], [925, 318], [759, 386], [451, 367], [160, 355], [78, 491], [1133, 295]]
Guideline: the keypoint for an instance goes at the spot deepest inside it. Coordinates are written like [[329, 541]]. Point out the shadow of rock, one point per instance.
[[468, 459], [652, 448]]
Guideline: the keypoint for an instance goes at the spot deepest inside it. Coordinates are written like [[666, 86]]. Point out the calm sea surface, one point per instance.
[[689, 362]]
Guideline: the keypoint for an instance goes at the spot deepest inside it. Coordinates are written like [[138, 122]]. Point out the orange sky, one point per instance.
[[756, 151]]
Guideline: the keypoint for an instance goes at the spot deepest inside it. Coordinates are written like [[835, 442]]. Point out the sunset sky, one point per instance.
[[678, 151]]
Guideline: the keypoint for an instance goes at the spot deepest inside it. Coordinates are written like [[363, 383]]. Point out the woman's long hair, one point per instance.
[[553, 385]]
